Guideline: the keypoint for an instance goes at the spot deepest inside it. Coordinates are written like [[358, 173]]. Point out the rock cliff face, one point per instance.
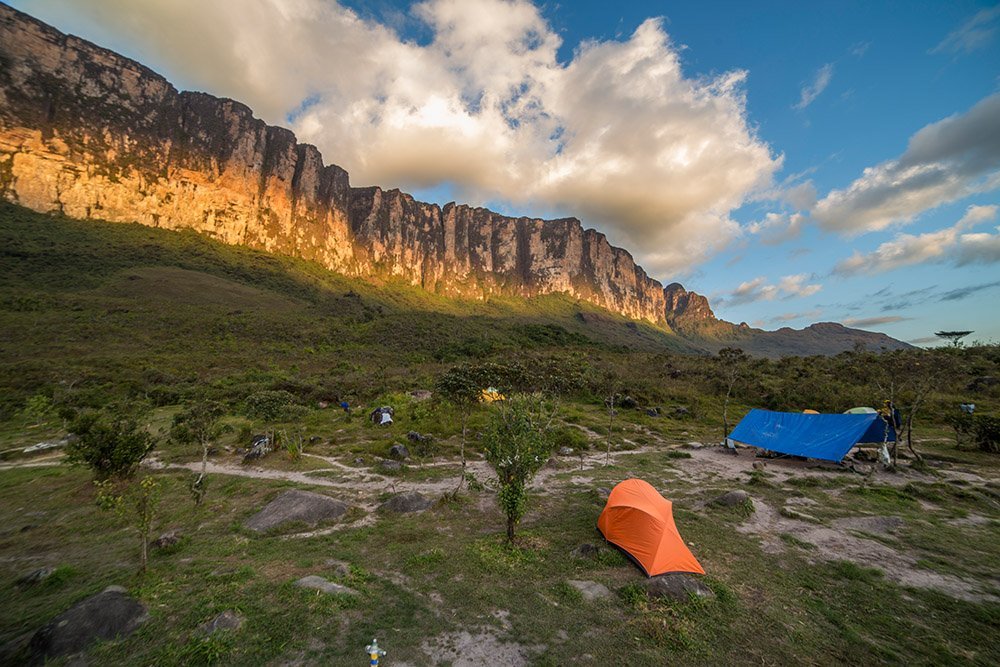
[[91, 134]]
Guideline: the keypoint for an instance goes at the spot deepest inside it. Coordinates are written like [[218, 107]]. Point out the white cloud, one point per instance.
[[791, 317], [792, 286], [859, 49], [948, 244], [944, 162], [758, 289], [776, 228], [815, 88], [976, 32], [869, 322], [619, 135]]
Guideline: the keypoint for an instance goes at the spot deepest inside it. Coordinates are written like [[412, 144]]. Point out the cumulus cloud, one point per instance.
[[944, 162], [945, 245], [619, 135], [976, 32], [776, 228], [758, 289], [815, 88], [868, 322]]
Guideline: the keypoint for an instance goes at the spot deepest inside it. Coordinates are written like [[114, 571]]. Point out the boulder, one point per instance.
[[416, 436], [420, 394], [590, 590], [168, 539], [586, 550], [602, 492], [402, 503], [227, 620], [694, 445], [732, 498], [109, 614], [324, 586], [389, 465], [399, 452], [565, 451], [293, 506], [759, 465], [678, 587], [653, 412]]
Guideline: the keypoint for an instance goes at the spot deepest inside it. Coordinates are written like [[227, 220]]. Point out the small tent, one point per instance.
[[490, 395], [821, 436], [640, 521]]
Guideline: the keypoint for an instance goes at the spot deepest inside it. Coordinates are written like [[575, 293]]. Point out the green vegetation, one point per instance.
[[201, 346], [515, 445], [112, 445]]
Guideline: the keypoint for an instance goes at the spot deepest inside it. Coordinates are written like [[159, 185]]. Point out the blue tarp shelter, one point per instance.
[[828, 437]]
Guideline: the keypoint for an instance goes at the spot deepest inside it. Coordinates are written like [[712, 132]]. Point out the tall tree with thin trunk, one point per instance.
[[200, 424], [954, 337], [462, 387], [732, 362]]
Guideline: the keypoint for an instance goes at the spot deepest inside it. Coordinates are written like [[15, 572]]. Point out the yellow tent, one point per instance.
[[490, 395]]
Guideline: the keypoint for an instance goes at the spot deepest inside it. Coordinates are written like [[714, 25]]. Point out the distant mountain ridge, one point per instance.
[[91, 134]]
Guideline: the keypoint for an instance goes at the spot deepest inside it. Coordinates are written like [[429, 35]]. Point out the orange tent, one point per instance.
[[639, 520]]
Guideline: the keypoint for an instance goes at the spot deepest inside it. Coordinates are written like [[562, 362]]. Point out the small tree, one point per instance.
[[954, 337], [110, 445], [201, 424], [515, 445], [461, 386], [134, 501], [906, 379], [611, 394], [733, 362]]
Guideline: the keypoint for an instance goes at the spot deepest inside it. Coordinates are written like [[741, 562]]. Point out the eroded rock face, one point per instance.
[[91, 134]]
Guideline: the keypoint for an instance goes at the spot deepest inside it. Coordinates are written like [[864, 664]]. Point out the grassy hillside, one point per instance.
[[826, 565], [109, 308]]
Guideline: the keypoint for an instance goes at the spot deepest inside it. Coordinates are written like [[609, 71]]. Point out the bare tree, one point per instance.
[[733, 362]]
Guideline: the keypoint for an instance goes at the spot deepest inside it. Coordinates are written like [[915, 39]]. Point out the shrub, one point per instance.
[[134, 502], [516, 447], [986, 433], [110, 445], [269, 405]]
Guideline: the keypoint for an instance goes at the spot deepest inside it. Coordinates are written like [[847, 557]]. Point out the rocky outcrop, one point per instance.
[[91, 134], [688, 311]]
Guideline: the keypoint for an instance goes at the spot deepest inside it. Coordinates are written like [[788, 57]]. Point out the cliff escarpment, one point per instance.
[[91, 134]]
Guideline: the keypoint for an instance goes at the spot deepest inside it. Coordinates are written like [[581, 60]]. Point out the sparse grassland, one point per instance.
[[824, 565]]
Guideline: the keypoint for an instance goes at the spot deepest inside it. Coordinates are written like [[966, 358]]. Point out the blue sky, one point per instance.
[[796, 162]]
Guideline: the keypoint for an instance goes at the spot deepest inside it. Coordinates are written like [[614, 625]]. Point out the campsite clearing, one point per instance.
[[858, 578]]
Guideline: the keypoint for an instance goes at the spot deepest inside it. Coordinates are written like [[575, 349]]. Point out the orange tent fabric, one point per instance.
[[640, 521]]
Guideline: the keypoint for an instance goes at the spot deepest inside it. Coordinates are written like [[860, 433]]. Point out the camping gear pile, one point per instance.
[[382, 416], [260, 446]]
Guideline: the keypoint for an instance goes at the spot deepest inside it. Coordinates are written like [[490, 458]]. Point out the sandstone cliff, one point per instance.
[[89, 133]]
